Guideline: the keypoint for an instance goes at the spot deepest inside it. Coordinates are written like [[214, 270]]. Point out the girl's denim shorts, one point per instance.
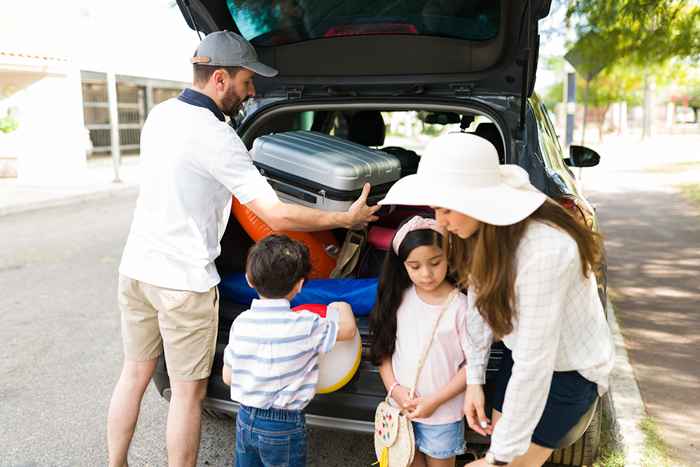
[[440, 441]]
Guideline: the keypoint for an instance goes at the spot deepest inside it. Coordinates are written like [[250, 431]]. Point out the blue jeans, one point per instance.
[[270, 438]]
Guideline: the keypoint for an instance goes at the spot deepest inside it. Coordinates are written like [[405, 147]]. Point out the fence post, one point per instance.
[[114, 123]]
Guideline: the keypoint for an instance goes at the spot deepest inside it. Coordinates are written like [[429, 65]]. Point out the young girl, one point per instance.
[[413, 289]]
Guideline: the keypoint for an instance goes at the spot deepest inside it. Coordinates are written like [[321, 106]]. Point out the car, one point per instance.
[[393, 75]]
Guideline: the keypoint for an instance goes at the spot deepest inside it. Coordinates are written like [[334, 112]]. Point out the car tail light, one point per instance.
[[568, 203], [582, 214], [369, 29]]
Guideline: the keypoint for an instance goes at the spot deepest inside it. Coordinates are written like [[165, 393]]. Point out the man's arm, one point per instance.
[[284, 216]]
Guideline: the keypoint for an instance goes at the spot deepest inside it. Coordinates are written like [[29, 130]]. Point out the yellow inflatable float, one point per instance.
[[337, 367]]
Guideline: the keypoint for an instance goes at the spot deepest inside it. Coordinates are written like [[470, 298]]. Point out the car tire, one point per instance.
[[584, 451]]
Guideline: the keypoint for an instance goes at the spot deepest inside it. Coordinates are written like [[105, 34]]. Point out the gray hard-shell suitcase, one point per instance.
[[322, 171]]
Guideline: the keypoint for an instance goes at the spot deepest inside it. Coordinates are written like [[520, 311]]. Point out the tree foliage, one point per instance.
[[640, 31]]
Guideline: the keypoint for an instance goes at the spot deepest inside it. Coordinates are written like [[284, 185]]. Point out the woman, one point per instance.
[[528, 267]]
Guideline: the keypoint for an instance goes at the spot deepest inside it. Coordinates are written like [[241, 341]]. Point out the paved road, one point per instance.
[[60, 350], [653, 245]]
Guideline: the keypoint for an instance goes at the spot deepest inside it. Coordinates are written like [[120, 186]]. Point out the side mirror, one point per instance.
[[581, 156]]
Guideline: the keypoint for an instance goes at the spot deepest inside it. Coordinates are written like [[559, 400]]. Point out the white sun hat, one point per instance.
[[460, 172]]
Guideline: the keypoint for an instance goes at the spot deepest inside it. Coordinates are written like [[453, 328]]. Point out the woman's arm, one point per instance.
[[476, 338]]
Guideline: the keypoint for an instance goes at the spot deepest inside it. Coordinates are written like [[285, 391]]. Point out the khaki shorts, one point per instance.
[[181, 322]]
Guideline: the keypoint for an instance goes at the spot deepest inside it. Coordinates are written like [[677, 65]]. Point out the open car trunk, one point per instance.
[[321, 47]]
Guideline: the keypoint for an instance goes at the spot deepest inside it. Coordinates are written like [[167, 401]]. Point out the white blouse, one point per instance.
[[560, 326]]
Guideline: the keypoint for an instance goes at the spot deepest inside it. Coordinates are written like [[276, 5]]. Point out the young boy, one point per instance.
[[271, 358]]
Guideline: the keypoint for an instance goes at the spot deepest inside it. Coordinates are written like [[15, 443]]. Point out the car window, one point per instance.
[[275, 22], [549, 142]]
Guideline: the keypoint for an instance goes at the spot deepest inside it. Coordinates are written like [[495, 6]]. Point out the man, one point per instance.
[[192, 161]]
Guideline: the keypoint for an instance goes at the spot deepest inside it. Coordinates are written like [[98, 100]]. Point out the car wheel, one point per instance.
[[583, 451]]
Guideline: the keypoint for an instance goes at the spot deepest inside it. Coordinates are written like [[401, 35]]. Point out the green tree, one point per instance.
[[645, 33], [640, 31]]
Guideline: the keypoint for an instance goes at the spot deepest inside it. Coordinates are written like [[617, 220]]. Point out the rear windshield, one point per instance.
[[277, 22]]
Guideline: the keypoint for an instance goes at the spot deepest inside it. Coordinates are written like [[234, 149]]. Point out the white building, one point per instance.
[[55, 61]]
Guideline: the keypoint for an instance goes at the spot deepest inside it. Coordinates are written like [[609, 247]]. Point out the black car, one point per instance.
[[354, 69]]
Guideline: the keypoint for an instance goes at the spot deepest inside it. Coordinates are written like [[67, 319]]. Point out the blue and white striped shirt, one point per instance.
[[273, 353]]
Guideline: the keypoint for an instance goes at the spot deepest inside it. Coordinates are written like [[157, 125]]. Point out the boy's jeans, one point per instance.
[[270, 438]]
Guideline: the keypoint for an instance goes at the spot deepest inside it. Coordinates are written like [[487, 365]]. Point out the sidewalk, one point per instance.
[[653, 244], [97, 183]]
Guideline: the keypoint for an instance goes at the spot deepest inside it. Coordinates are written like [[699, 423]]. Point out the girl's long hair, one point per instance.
[[393, 282], [486, 261]]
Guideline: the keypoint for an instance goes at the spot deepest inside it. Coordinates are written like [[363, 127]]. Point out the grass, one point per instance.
[[692, 192], [610, 453], [656, 452]]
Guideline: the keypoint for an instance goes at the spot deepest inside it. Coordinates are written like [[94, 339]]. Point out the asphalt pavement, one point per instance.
[[60, 348]]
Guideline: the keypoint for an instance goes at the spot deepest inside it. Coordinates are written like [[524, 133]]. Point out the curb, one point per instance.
[[68, 200], [625, 401]]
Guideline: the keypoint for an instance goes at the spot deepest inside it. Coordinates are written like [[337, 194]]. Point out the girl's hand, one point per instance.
[[474, 402], [422, 407], [400, 395], [477, 463]]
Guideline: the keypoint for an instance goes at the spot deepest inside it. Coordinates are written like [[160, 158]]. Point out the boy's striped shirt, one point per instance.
[[273, 354]]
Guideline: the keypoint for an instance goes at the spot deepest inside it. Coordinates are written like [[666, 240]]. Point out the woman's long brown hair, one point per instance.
[[486, 261]]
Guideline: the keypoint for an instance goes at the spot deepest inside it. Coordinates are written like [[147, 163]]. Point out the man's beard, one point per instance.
[[231, 104]]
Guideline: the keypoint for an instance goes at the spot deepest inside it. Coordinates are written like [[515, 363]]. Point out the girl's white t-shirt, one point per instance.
[[415, 320]]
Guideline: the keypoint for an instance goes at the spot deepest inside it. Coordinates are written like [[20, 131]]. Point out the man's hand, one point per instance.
[[474, 410], [359, 213], [421, 407]]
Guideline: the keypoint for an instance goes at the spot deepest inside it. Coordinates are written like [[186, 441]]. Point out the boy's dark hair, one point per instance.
[[275, 264], [202, 73]]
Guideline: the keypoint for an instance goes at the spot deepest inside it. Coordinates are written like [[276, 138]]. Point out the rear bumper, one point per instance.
[[344, 410]]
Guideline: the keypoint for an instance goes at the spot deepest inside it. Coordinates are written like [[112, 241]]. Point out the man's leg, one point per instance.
[[142, 346], [124, 408], [188, 323], [184, 422]]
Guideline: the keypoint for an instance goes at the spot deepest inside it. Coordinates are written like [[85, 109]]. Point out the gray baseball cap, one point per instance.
[[228, 49]]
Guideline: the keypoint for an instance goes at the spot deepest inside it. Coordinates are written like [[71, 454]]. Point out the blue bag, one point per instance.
[[361, 294]]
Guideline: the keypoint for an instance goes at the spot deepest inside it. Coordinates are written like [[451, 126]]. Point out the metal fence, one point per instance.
[[135, 97]]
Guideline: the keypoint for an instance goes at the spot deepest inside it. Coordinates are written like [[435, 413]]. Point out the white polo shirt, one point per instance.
[[191, 163]]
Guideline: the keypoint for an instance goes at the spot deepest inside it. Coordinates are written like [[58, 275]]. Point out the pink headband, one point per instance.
[[416, 223]]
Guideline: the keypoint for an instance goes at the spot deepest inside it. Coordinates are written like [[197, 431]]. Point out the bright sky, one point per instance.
[[143, 38]]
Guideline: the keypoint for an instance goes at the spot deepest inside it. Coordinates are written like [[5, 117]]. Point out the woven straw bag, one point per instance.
[[394, 443]]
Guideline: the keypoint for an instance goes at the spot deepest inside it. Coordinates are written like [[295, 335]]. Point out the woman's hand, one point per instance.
[[474, 402], [422, 407]]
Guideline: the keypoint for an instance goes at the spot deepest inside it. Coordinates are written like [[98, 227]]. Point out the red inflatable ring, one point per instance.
[[319, 243]]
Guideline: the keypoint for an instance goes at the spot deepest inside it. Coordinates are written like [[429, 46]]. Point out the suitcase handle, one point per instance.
[[287, 190]]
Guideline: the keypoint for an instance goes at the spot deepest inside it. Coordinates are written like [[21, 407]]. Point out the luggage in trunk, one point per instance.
[[322, 171]]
